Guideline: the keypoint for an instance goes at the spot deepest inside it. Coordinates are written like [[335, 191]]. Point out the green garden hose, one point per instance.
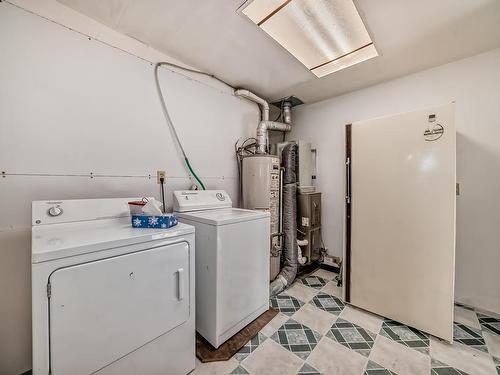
[[194, 174]]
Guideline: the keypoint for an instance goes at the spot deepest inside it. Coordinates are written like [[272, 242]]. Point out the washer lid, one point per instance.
[[223, 216], [49, 242]]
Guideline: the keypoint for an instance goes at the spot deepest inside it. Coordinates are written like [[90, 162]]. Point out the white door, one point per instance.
[[103, 310], [400, 250]]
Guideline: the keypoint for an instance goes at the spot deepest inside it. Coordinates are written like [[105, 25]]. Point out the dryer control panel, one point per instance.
[[72, 210]]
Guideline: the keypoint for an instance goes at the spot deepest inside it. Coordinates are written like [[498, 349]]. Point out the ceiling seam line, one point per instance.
[[340, 57], [274, 12]]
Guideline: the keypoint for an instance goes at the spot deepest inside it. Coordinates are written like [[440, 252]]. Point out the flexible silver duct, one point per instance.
[[290, 251]]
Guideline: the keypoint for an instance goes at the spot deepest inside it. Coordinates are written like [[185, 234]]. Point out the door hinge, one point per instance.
[[49, 290]]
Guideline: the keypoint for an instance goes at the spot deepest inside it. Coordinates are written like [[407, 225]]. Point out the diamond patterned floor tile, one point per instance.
[[330, 357], [332, 289], [301, 340], [373, 368], [270, 358], [274, 324], [297, 338], [301, 292], [307, 369], [399, 358], [328, 303], [490, 323], [439, 368], [462, 357], [362, 318], [325, 274], [287, 305], [250, 346], [352, 336], [405, 335], [218, 367], [239, 370], [466, 316], [315, 282], [469, 336]]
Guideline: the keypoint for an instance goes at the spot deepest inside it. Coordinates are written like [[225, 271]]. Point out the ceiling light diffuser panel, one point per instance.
[[324, 35]]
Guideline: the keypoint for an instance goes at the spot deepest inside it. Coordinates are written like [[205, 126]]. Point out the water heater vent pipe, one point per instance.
[[256, 99], [265, 124], [287, 113]]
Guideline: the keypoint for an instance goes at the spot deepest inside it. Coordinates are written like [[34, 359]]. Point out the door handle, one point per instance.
[[180, 284], [348, 180], [316, 214]]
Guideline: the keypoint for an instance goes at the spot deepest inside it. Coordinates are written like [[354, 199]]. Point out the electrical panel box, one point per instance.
[[309, 224], [305, 172]]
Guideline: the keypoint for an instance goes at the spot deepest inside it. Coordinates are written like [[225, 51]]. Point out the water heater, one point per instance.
[[261, 191]]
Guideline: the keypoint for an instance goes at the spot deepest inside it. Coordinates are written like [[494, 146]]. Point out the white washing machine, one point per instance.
[[109, 298], [232, 262]]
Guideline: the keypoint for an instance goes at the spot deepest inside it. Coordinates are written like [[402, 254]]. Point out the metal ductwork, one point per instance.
[[262, 133], [287, 112], [290, 247], [254, 98], [265, 124]]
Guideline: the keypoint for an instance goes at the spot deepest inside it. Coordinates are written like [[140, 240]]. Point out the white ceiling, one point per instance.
[[210, 35]]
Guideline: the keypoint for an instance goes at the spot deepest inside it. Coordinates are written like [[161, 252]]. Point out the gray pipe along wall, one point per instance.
[[290, 250]]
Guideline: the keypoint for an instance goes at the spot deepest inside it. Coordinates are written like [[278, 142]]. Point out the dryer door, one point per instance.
[[103, 310]]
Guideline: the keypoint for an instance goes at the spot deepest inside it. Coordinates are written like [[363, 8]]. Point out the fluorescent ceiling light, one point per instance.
[[324, 35]]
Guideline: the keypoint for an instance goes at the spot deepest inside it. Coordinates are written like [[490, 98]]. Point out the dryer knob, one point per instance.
[[55, 211]]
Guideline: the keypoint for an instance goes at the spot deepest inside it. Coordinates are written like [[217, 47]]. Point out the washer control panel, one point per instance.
[[55, 210], [198, 200]]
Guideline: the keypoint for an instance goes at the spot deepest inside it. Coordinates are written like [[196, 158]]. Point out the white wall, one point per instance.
[[474, 84], [71, 106]]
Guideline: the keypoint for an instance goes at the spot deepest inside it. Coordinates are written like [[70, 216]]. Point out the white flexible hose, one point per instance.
[[165, 110], [167, 115]]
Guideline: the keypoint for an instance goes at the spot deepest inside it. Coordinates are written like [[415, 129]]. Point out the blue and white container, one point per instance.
[[145, 221]]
